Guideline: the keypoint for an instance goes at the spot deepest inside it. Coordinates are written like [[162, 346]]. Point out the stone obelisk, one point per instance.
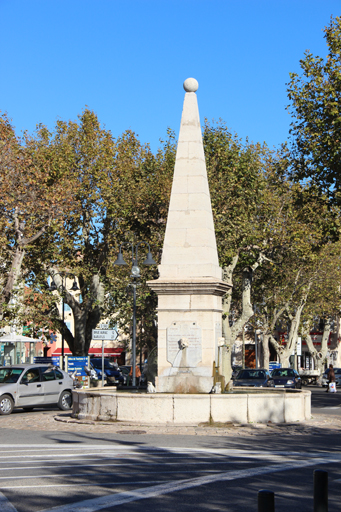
[[190, 286]]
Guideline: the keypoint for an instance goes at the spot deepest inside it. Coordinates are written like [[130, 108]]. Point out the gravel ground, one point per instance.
[[62, 421]]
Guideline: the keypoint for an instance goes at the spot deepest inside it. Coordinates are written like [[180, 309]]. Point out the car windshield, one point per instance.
[[251, 374], [10, 375], [97, 363], [337, 370], [283, 373]]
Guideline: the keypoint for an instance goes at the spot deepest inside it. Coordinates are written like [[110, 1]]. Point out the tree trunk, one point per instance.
[[265, 351], [12, 279], [86, 316], [230, 333], [320, 356]]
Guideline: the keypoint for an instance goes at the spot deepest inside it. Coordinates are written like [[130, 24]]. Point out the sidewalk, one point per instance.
[[54, 420]]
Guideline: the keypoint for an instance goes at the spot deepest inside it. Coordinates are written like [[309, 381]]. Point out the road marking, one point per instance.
[[107, 484], [125, 465], [5, 505], [113, 500], [30, 477]]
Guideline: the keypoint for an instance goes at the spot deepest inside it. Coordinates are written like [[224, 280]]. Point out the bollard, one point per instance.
[[266, 501], [320, 491]]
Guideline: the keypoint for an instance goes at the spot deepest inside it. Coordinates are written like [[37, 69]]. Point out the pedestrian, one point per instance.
[[137, 374], [331, 379]]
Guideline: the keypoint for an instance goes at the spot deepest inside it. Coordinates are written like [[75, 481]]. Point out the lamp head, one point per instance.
[[74, 287], [53, 286], [120, 260], [149, 260], [135, 271]]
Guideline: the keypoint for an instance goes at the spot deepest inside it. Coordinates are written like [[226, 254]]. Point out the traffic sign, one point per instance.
[[103, 326], [104, 334]]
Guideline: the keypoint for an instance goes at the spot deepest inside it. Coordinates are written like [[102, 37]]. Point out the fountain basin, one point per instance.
[[256, 405]]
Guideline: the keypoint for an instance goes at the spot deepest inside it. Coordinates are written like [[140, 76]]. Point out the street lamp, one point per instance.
[[135, 274], [52, 288]]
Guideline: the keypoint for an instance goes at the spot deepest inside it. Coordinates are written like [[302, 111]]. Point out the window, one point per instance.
[[31, 376], [48, 374], [9, 376], [59, 375]]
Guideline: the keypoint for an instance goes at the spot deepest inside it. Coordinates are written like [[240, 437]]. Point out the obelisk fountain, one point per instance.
[[190, 286]]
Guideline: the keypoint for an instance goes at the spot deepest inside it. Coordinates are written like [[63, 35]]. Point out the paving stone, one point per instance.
[[55, 421]]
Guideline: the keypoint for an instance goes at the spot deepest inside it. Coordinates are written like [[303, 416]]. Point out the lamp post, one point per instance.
[[135, 275], [52, 288]]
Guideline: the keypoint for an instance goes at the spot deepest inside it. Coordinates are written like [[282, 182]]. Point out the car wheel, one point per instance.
[[65, 401], [6, 404]]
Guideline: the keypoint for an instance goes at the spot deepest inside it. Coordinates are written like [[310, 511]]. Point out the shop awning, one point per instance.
[[93, 351], [18, 338]]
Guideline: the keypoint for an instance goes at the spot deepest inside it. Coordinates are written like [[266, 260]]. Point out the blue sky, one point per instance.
[[127, 61]]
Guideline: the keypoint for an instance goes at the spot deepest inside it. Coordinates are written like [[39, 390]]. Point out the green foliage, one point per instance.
[[120, 194], [315, 98]]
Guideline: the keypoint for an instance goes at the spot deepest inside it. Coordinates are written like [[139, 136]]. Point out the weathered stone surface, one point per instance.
[[184, 356], [250, 406], [190, 286]]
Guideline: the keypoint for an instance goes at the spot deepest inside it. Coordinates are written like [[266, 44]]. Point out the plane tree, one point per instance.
[[119, 198], [34, 197], [315, 107]]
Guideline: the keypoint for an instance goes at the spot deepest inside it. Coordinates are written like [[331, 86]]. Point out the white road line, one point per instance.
[[168, 453], [110, 485], [122, 451], [25, 448], [85, 474], [5, 505], [112, 500], [126, 465], [90, 456]]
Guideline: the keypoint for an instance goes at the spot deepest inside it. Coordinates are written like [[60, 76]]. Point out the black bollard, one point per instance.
[[266, 501], [320, 491]]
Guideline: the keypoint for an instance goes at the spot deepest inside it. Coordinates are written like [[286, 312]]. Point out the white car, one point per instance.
[[34, 385]]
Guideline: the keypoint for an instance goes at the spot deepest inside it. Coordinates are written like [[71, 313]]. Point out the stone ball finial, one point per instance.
[[191, 85]]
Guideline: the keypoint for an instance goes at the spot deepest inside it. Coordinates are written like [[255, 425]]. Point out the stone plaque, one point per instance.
[[184, 344]]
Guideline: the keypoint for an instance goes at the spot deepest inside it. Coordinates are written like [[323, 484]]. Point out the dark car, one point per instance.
[[235, 371], [285, 378], [126, 369], [252, 378], [111, 374]]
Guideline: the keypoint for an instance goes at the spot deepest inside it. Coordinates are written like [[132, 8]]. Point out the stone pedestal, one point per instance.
[[190, 286]]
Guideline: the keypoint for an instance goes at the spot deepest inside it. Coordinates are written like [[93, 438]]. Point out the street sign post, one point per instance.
[[104, 334]]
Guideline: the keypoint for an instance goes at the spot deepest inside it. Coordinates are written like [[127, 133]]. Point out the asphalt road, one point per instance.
[[325, 403], [58, 471]]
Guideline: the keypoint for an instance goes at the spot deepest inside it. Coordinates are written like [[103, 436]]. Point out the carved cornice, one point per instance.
[[199, 286]]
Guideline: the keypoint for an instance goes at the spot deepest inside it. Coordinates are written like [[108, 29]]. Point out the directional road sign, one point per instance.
[[104, 334]]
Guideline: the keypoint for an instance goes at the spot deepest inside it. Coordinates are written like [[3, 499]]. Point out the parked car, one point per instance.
[[235, 371], [126, 369], [337, 372], [252, 378], [111, 374], [285, 378], [34, 385]]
